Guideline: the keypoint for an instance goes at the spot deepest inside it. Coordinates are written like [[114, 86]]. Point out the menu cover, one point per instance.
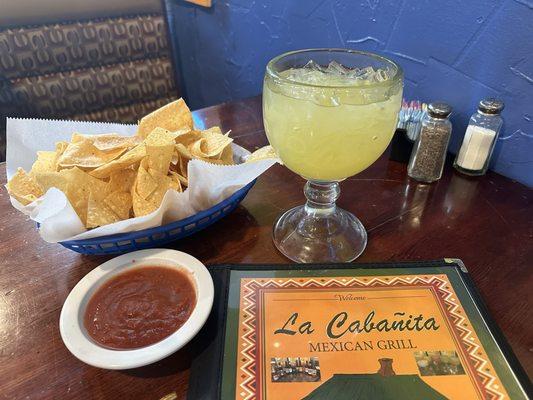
[[351, 331]]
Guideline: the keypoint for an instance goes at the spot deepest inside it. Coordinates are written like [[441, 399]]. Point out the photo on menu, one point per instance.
[[297, 369]]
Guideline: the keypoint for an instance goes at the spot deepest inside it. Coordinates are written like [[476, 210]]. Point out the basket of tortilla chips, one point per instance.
[[112, 193]]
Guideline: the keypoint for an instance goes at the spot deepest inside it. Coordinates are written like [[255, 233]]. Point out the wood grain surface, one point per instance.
[[487, 222]]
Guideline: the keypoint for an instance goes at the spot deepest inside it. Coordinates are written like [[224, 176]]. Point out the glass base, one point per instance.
[[309, 235]]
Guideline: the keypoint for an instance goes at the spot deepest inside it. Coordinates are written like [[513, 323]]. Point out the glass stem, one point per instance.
[[321, 197]]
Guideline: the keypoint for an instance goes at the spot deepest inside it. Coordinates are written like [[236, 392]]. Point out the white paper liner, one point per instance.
[[209, 184]]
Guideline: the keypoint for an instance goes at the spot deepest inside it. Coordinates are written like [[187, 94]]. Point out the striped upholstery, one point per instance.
[[66, 93], [114, 69], [46, 49]]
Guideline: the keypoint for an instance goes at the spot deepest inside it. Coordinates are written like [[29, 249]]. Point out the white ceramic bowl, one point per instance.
[[84, 348]]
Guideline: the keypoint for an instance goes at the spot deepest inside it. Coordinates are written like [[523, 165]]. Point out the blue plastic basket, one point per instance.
[[154, 237]]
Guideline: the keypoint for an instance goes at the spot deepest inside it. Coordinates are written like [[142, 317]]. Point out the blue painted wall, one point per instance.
[[454, 50]]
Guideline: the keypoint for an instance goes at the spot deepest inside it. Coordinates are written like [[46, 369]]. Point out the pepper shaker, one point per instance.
[[478, 144], [429, 152]]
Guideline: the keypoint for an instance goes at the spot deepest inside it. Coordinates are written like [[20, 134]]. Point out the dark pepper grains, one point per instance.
[[429, 153]]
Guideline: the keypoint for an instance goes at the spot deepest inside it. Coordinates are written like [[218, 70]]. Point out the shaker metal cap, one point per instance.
[[491, 106], [439, 110]]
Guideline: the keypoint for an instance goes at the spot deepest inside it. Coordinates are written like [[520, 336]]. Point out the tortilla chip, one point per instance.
[[211, 143], [227, 156], [122, 180], [46, 180], [79, 188], [175, 173], [175, 159], [176, 181], [98, 214], [108, 141], [46, 162], [77, 137], [158, 176], [160, 137], [24, 187], [76, 184], [120, 203], [126, 160], [61, 147], [159, 157], [183, 180], [184, 163], [183, 151], [140, 206], [145, 183], [214, 130], [143, 206], [165, 183], [174, 116], [187, 137], [262, 154], [83, 154]]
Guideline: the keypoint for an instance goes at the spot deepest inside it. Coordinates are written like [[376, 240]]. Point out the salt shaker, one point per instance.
[[474, 155], [429, 152]]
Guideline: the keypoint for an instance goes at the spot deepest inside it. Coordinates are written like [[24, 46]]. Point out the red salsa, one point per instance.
[[140, 307]]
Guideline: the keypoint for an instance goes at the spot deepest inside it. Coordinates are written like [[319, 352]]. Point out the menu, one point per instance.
[[405, 332]]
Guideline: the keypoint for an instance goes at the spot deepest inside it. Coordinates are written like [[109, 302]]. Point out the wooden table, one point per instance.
[[487, 222]]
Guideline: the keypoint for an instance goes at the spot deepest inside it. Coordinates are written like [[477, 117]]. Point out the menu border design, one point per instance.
[[248, 382]]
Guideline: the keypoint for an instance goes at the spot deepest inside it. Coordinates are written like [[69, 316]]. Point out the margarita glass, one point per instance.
[[329, 114]]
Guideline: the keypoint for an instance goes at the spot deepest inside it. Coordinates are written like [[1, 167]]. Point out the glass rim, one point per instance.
[[395, 78]]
